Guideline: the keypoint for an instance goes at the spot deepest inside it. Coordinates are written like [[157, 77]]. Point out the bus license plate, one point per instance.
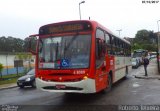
[[60, 86]]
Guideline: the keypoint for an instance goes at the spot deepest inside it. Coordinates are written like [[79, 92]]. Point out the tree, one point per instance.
[[145, 39], [136, 46], [30, 43], [3, 44], [11, 44], [1, 68], [142, 37]]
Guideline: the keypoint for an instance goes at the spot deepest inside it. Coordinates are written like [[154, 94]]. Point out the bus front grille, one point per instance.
[[66, 88]]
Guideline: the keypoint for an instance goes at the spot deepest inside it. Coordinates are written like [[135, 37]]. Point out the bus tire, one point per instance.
[[109, 81]]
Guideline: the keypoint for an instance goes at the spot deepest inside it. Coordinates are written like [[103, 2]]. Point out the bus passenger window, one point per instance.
[[107, 39], [108, 43]]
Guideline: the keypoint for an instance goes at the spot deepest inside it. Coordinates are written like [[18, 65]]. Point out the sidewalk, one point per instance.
[[152, 71]]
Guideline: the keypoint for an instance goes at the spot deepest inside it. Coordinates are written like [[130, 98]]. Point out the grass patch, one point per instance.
[[7, 79], [12, 75]]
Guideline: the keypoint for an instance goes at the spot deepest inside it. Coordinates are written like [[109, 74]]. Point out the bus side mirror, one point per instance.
[[31, 44]]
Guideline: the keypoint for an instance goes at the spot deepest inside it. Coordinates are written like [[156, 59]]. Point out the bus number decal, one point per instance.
[[79, 72]]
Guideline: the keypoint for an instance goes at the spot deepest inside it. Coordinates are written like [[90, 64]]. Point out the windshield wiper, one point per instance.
[[69, 44], [57, 51]]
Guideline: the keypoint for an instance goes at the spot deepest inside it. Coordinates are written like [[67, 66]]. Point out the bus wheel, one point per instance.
[[109, 81]]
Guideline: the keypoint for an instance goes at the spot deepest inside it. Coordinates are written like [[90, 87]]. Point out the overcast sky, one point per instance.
[[21, 18]]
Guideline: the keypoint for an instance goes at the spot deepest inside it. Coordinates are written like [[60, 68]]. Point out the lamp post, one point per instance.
[[119, 31], [80, 8]]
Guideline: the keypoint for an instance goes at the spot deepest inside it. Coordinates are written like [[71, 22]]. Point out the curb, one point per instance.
[[147, 77], [9, 87]]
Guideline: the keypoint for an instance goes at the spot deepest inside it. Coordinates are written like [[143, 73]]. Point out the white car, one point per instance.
[[135, 63]]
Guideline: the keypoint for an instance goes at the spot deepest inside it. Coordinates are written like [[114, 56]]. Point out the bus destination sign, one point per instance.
[[62, 28], [65, 28]]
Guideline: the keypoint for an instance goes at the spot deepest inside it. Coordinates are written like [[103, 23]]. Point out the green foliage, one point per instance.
[[136, 46], [11, 44], [7, 79], [145, 39], [1, 68], [24, 56]]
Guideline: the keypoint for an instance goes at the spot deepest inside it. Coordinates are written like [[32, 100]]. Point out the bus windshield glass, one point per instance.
[[64, 52]]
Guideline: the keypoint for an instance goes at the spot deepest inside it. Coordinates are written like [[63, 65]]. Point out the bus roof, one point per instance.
[[94, 24], [110, 32]]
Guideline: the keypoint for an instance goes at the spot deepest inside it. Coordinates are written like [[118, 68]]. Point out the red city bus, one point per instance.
[[80, 56]]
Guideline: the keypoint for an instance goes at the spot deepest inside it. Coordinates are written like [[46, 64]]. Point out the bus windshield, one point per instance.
[[64, 52]]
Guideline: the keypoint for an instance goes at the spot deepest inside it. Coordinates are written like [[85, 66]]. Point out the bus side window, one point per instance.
[[100, 47], [113, 46], [108, 43]]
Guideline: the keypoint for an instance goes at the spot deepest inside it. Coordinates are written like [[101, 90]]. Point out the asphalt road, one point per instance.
[[130, 91]]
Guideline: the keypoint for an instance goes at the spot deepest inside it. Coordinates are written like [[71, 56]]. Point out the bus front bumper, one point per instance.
[[83, 86]]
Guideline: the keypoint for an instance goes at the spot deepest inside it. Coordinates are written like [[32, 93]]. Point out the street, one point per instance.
[[129, 91]]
